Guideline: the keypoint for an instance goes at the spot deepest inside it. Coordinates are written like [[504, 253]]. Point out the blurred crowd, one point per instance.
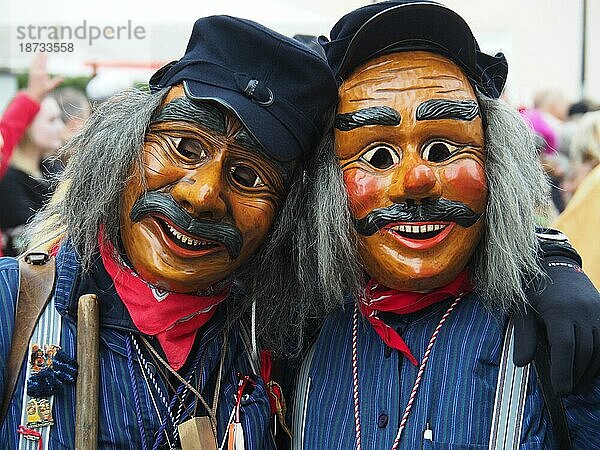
[[33, 127], [568, 141], [42, 117]]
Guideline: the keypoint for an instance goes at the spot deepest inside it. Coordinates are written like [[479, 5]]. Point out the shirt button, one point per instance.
[[382, 420]]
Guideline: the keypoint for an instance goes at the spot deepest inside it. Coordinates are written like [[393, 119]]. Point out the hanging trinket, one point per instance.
[[50, 369], [31, 435], [197, 434], [236, 439], [39, 413], [41, 356]]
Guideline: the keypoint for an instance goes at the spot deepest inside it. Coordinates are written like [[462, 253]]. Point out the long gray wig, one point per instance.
[[309, 261], [507, 254], [102, 157]]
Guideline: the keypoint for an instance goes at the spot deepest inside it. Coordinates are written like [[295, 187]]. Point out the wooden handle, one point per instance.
[[88, 351]]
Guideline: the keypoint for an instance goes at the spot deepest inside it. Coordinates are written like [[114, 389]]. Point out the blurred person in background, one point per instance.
[[546, 142], [568, 128], [552, 103], [584, 153], [24, 189], [580, 108], [17, 117], [581, 220], [554, 108], [23, 108], [74, 108]]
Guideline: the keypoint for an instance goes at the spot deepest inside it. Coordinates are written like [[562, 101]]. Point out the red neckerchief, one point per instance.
[[380, 298], [172, 317]]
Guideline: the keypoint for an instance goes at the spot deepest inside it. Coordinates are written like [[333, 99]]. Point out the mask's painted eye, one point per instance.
[[246, 177], [190, 149], [439, 151], [381, 157]]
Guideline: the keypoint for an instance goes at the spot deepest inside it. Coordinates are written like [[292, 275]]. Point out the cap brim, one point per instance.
[[277, 141], [413, 26]]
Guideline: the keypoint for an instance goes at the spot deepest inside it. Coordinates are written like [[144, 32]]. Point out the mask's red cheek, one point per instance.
[[465, 180], [365, 191]]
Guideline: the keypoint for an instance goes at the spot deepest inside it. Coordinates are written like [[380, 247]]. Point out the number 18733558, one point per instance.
[[48, 47]]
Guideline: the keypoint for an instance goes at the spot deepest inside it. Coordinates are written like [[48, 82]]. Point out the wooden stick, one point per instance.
[[87, 388]]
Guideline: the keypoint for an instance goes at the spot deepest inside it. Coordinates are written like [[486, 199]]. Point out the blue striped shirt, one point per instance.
[[127, 417], [456, 395]]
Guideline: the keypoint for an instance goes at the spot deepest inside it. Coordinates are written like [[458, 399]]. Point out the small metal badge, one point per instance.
[[39, 413]]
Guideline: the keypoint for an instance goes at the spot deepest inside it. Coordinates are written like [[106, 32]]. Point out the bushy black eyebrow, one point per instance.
[[375, 115], [203, 114], [211, 118], [437, 109], [244, 139]]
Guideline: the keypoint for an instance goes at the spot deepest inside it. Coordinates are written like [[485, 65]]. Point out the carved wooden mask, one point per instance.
[[409, 138], [206, 198]]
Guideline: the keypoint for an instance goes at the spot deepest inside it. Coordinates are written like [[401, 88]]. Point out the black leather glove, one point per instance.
[[567, 308]]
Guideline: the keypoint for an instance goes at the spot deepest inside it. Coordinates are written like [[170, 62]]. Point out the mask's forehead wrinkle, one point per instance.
[[441, 77], [402, 69], [407, 88], [361, 82], [365, 99], [449, 91], [373, 65]]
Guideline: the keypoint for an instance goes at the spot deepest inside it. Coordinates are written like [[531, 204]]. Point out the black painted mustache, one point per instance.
[[165, 205], [441, 210]]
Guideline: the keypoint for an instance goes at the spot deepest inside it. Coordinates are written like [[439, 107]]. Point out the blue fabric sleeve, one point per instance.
[[583, 417], [9, 286]]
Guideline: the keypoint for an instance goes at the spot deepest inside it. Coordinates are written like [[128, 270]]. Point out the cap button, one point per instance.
[[259, 93]]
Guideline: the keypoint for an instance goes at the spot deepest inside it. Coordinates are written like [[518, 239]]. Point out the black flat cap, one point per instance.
[[278, 87], [402, 25]]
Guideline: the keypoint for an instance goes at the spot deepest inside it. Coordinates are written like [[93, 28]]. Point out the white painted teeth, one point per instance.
[[186, 239], [418, 228]]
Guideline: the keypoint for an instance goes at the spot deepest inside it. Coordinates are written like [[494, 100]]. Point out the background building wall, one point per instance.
[[541, 38]]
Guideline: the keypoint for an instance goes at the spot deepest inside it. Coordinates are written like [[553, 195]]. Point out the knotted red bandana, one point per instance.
[[172, 317], [380, 298]]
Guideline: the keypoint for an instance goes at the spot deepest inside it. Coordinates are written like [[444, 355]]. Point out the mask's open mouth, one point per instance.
[[419, 232], [419, 235], [184, 240]]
